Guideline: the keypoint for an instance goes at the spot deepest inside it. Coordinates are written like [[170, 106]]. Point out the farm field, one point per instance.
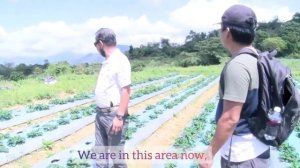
[[171, 108]]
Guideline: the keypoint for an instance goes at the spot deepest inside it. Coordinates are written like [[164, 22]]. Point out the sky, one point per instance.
[[41, 28]]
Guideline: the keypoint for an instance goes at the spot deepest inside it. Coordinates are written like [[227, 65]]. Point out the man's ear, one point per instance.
[[101, 43], [228, 33]]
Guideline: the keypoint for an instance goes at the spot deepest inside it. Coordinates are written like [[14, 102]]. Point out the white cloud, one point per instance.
[[203, 14], [200, 14], [50, 38], [267, 14]]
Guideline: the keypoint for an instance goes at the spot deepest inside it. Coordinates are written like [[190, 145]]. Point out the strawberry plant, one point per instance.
[[58, 101], [87, 112], [140, 124], [49, 127], [53, 165], [288, 153], [133, 118], [63, 121], [75, 116], [47, 144], [75, 111], [77, 163], [34, 133], [15, 140], [150, 107], [153, 116], [130, 132], [81, 96], [37, 107], [158, 111], [4, 136], [170, 165], [5, 115]]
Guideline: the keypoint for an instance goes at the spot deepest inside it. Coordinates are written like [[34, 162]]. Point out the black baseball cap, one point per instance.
[[239, 16]]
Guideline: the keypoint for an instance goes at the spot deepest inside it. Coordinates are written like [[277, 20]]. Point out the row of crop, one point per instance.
[[157, 87], [54, 109], [134, 134], [62, 120], [155, 79], [193, 132], [154, 111], [12, 140], [8, 114], [136, 121], [289, 155]]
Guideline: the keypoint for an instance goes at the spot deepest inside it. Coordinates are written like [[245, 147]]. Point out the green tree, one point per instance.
[[274, 43], [59, 68], [15, 76]]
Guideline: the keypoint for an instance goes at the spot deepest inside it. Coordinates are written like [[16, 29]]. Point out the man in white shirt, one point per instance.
[[239, 84], [112, 95]]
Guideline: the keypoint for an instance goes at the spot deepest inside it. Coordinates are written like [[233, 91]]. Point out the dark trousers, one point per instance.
[[262, 161], [107, 141]]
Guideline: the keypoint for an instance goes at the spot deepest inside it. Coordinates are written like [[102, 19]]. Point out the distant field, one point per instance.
[[294, 64], [29, 90]]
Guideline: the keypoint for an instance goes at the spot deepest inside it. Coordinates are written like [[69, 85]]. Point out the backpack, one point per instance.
[[276, 88]]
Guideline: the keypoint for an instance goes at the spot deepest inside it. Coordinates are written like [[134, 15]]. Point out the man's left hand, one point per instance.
[[117, 125]]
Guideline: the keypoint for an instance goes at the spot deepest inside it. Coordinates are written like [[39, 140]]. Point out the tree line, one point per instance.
[[206, 49]]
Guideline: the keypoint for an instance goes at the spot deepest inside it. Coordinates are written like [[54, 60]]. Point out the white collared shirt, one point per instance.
[[115, 74]]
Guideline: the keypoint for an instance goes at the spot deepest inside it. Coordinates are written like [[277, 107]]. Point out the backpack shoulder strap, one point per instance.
[[249, 51]]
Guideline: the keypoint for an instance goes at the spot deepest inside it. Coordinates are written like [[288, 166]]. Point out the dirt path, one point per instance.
[[165, 136], [64, 143]]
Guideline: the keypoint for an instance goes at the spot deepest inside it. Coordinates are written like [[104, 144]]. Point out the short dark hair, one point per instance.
[[107, 36], [241, 35]]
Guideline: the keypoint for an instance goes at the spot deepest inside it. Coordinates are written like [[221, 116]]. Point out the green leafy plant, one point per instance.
[[53, 165], [170, 165], [77, 163], [150, 107], [289, 154], [58, 101], [15, 140], [35, 133], [5, 115], [130, 132], [153, 116], [4, 136], [37, 107], [63, 121], [47, 144], [49, 127], [75, 116]]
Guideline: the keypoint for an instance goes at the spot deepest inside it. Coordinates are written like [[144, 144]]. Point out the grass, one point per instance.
[[28, 90], [294, 65]]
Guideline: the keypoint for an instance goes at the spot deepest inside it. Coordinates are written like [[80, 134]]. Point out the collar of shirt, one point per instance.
[[111, 57], [245, 49]]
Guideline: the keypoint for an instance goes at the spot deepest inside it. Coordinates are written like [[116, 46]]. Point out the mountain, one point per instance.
[[69, 57]]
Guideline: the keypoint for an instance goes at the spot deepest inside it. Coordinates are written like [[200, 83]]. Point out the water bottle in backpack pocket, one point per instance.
[[273, 125]]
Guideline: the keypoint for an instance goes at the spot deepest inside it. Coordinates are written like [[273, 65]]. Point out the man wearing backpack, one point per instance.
[[239, 84]]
